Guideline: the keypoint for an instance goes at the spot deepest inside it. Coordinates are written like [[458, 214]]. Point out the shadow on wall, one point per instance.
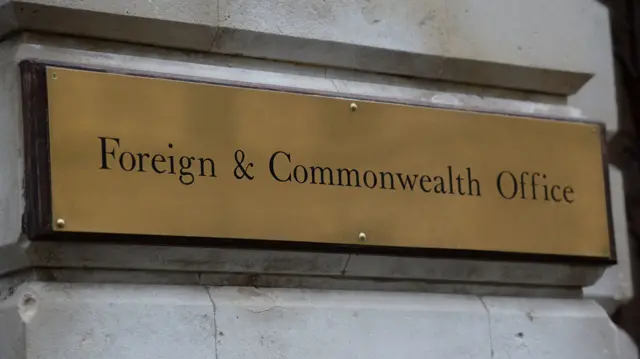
[[624, 147]]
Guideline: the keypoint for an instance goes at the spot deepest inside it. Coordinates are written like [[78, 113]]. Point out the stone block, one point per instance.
[[11, 153], [530, 328], [262, 323], [72, 321], [442, 39], [627, 348], [12, 330], [187, 24], [616, 284], [453, 40], [110, 321], [8, 22], [12, 340], [451, 29]]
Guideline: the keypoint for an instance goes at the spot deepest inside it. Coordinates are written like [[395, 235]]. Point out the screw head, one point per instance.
[[353, 106], [60, 223], [362, 237]]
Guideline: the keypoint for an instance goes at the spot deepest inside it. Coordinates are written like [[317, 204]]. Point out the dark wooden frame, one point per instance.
[[37, 220], [37, 179]]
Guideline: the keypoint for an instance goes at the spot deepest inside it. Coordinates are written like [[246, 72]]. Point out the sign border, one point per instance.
[[37, 218]]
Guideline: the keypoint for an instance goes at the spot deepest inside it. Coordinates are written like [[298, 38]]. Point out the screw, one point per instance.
[[60, 223], [362, 237], [54, 76], [353, 106]]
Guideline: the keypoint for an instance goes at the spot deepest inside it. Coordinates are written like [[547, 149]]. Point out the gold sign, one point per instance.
[[146, 156]]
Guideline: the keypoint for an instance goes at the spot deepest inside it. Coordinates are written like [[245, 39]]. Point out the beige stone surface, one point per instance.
[[455, 40]]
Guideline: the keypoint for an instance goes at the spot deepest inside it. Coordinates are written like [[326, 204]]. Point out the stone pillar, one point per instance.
[[120, 300]]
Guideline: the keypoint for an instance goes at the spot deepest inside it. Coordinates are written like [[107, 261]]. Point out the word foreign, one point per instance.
[[525, 185], [154, 162]]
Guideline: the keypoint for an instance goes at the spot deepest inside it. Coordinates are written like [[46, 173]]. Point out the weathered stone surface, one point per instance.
[[475, 271], [450, 29], [8, 22], [268, 324], [81, 255], [438, 39], [548, 328], [113, 321], [449, 40], [617, 280], [464, 287], [203, 12], [109, 321], [11, 173], [12, 330], [188, 24]]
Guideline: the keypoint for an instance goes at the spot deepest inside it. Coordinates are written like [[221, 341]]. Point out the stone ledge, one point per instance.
[[276, 268], [296, 281], [404, 63], [436, 39], [257, 72]]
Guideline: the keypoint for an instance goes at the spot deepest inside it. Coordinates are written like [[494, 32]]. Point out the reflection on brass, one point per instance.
[[136, 155]]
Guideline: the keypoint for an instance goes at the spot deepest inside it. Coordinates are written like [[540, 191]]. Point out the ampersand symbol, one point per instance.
[[241, 171]]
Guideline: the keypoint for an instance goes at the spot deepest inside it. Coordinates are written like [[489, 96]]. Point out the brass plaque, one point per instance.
[[147, 156]]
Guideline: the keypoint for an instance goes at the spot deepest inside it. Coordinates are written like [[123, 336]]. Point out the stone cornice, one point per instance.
[[438, 40]]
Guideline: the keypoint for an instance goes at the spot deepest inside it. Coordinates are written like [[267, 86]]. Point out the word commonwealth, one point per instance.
[[526, 185]]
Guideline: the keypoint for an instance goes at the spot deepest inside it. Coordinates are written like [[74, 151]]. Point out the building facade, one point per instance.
[[117, 298]]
